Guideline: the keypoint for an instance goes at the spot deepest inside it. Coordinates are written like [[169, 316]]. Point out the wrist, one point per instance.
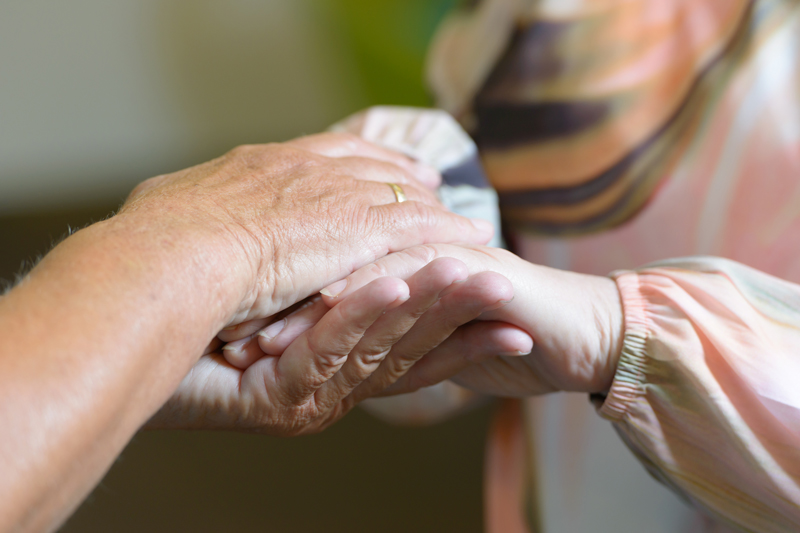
[[611, 322], [200, 261]]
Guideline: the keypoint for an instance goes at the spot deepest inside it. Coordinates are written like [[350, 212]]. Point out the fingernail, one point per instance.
[[236, 346], [271, 331], [400, 301], [334, 289], [230, 328], [514, 354]]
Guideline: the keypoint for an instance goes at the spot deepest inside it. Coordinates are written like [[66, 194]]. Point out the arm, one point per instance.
[[77, 377], [101, 333], [702, 384]]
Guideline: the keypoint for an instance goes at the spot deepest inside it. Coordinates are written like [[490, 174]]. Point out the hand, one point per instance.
[[272, 224], [116, 315], [575, 321], [309, 369]]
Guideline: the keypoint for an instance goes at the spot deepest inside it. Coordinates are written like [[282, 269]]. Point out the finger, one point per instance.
[[251, 327], [243, 330], [405, 263], [402, 264], [480, 293], [213, 346], [425, 288], [319, 353], [380, 171], [402, 225], [275, 338], [243, 352], [467, 346], [338, 145], [377, 186]]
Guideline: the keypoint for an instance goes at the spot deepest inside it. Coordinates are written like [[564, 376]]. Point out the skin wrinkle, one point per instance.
[[135, 336], [452, 319]]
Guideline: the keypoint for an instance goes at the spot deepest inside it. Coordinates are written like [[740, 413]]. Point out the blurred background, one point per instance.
[[96, 96]]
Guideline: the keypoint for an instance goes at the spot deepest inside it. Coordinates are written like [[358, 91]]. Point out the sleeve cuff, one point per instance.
[[628, 384]]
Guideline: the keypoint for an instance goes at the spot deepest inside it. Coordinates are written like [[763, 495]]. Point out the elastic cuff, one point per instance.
[[630, 375]]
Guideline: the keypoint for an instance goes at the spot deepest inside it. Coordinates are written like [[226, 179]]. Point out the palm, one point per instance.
[[217, 395]]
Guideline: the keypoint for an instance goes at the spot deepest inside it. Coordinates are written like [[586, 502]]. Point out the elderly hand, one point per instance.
[[296, 217], [275, 223], [115, 317], [575, 321], [309, 369]]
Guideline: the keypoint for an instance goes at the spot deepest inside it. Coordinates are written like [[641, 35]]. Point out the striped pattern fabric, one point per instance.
[[625, 132], [580, 108]]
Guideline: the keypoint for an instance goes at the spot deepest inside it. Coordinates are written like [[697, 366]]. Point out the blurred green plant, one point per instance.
[[389, 40]]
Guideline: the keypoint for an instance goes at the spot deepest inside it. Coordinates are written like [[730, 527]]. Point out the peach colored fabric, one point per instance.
[[505, 479], [706, 393], [705, 397], [735, 194]]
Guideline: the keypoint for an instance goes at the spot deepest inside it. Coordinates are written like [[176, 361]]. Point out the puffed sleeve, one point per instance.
[[707, 391]]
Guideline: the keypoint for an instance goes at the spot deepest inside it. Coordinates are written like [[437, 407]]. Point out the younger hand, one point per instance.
[[575, 321], [420, 325]]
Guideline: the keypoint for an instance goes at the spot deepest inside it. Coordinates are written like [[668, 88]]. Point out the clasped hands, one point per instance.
[[329, 292]]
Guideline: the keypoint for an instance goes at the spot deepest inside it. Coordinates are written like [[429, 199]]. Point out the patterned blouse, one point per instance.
[[621, 136], [625, 132]]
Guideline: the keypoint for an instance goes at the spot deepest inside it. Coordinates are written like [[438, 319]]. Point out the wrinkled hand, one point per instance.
[[307, 370], [575, 322], [275, 223], [459, 304]]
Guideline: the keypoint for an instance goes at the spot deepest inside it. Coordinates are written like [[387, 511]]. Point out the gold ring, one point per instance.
[[398, 192]]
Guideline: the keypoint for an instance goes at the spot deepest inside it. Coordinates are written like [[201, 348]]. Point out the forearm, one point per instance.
[[94, 341]]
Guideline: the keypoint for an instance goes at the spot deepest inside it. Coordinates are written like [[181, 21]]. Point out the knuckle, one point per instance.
[[417, 213], [349, 141], [399, 366], [377, 270], [326, 362], [444, 269], [368, 361], [423, 253]]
